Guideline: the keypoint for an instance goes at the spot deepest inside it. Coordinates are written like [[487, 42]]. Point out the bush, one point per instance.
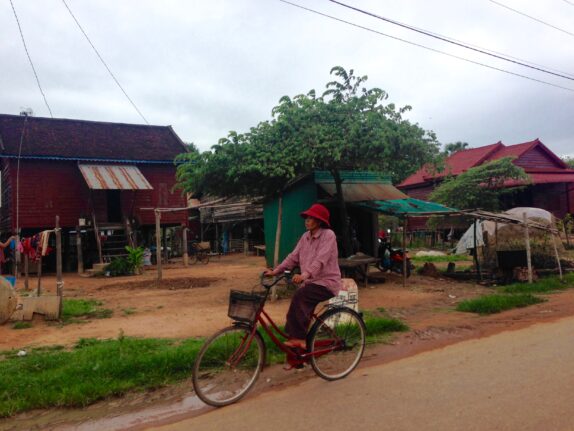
[[135, 258], [119, 266]]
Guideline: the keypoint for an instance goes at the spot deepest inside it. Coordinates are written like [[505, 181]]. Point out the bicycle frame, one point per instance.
[[294, 356]]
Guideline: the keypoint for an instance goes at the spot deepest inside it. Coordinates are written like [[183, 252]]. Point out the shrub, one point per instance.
[[119, 266]]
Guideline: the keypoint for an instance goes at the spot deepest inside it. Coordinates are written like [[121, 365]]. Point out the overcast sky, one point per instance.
[[208, 67]]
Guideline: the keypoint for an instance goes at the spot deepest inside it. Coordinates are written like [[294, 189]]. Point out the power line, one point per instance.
[[425, 47], [452, 41], [104, 63], [531, 17], [569, 2], [30, 59]]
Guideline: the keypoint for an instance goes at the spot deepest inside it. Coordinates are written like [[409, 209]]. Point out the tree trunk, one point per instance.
[[346, 239]]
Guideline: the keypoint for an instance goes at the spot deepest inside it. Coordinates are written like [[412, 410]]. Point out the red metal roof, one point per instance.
[[55, 137], [463, 160]]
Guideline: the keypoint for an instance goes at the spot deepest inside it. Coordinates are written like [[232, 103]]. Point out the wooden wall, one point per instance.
[[50, 188]]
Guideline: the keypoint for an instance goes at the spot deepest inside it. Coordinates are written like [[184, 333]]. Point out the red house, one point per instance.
[[91, 174], [552, 181]]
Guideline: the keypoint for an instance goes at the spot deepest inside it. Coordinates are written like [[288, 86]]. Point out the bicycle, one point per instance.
[[230, 361]]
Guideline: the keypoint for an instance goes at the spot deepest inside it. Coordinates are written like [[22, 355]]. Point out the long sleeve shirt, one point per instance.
[[317, 256]]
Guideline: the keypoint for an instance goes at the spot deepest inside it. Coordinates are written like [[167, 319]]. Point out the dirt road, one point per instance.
[[519, 380]]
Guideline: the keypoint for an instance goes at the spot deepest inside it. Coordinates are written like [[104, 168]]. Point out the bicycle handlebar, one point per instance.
[[286, 275]]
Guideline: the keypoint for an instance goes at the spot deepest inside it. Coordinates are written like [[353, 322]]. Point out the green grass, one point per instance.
[[496, 303], [446, 258], [96, 369], [73, 310], [543, 285], [22, 325], [129, 311]]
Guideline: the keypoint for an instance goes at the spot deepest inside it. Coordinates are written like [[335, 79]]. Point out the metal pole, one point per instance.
[[527, 240], [158, 243]]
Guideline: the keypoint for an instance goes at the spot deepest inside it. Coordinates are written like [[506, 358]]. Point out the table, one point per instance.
[[259, 249], [358, 265]]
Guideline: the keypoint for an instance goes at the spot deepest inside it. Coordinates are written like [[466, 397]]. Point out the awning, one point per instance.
[[359, 186], [114, 177], [408, 207]]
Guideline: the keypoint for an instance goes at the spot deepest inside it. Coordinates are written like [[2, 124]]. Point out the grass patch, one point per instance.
[[96, 369], [543, 285], [491, 304], [129, 311], [446, 258], [75, 310], [93, 370], [22, 325]]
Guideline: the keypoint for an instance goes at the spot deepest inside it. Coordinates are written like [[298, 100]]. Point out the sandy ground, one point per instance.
[[193, 302]]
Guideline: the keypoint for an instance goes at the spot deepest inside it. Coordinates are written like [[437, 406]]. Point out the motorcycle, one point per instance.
[[391, 259]]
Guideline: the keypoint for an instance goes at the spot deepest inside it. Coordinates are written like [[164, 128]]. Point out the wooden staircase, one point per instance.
[[112, 239]]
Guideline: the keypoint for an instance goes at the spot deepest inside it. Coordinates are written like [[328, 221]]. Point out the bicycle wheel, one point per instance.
[[342, 330], [228, 365]]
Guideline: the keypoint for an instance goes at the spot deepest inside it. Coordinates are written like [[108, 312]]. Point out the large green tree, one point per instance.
[[348, 127], [480, 187]]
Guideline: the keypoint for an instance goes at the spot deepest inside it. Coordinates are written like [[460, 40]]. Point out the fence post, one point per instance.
[[528, 254], [185, 254], [158, 243], [59, 282]]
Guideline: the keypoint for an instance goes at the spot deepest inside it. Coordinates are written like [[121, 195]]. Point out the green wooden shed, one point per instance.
[[301, 193]]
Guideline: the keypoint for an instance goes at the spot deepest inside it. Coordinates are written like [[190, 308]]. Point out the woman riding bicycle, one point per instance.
[[320, 279]]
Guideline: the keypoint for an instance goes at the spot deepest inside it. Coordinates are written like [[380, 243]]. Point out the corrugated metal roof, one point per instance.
[[354, 192], [361, 177], [408, 206], [114, 177]]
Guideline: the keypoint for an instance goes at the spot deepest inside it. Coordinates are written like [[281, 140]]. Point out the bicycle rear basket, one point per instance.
[[243, 306]]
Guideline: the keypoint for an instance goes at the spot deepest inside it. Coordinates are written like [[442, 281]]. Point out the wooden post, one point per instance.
[[527, 241], [185, 254], [476, 262], [405, 251], [79, 250], [98, 239], [164, 241], [496, 243], [39, 288], [16, 254], [158, 243], [277, 241], [59, 282], [566, 234], [556, 253], [26, 271], [245, 241]]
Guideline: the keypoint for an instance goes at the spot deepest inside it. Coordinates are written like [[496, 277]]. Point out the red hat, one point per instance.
[[319, 212]]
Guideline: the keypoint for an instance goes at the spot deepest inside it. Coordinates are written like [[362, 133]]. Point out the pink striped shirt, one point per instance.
[[317, 256]]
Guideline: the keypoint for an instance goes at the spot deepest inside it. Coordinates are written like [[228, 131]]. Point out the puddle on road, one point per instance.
[[128, 413]]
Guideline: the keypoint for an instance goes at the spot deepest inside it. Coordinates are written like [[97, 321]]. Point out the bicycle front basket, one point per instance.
[[243, 306]]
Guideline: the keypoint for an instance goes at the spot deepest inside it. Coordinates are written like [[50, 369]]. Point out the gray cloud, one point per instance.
[[209, 67]]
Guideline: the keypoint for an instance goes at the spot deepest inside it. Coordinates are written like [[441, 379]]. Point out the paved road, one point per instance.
[[520, 380]]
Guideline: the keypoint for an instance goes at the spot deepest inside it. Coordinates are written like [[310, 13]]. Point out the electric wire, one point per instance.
[[531, 17], [569, 2], [452, 41], [425, 47], [103, 62], [30, 59]]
